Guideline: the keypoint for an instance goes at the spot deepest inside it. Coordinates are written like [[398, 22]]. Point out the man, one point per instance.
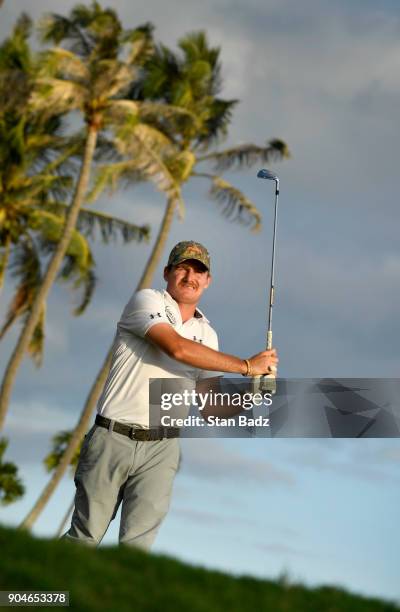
[[122, 460]]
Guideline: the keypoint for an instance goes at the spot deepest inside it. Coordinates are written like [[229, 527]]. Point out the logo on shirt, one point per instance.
[[170, 315], [153, 316]]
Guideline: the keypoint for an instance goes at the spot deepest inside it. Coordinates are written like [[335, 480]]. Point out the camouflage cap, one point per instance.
[[189, 250]]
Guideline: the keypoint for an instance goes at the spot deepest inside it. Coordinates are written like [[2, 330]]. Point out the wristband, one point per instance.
[[248, 371]]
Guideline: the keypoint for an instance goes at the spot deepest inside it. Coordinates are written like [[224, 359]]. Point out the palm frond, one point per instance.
[[23, 28], [113, 175], [11, 487], [78, 261], [38, 187], [160, 71], [85, 278], [196, 47], [88, 282], [5, 248], [152, 163], [148, 151], [172, 119], [119, 111], [180, 165], [141, 46], [110, 78], [56, 28], [58, 61], [129, 138], [49, 227], [106, 149], [216, 123], [235, 205], [63, 163], [26, 267], [14, 44], [57, 96], [16, 308], [36, 344], [149, 110], [16, 61], [247, 155], [59, 443], [109, 226]]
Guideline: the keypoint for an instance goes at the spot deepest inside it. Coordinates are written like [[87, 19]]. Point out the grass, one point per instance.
[[121, 578]]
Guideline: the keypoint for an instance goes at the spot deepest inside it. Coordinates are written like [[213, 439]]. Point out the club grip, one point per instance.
[[264, 383]]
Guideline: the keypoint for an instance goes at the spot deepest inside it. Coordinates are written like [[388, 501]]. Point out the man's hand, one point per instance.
[[264, 363]]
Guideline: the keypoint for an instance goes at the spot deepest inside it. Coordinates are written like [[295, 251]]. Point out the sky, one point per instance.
[[322, 76]]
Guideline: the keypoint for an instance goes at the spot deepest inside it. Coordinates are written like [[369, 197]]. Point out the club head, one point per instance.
[[267, 174]]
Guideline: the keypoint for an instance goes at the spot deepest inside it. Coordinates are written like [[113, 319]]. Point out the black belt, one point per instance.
[[134, 433]]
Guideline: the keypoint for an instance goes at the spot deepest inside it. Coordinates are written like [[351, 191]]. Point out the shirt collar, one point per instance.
[[197, 314], [200, 315]]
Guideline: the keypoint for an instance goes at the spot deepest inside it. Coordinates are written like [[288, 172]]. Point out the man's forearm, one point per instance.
[[200, 356]]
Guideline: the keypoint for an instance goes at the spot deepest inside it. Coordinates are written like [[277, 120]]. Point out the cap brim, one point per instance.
[[191, 259]]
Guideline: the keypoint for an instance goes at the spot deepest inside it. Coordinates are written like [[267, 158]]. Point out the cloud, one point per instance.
[[212, 461], [207, 519], [373, 461], [277, 548], [339, 287], [243, 524], [35, 417]]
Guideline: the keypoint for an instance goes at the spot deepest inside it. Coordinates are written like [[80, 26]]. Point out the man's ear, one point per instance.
[[166, 273], [209, 281]]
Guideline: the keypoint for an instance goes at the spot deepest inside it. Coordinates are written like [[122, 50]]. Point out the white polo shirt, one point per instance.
[[135, 360]]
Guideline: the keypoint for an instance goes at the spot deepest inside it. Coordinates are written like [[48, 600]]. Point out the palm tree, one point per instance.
[[36, 168], [91, 77], [29, 177], [11, 487], [41, 234], [34, 159], [51, 461], [191, 83]]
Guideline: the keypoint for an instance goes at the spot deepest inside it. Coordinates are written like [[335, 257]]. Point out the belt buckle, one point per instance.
[[147, 435], [142, 435], [132, 433]]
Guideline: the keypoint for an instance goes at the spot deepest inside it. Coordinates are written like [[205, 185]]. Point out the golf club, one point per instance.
[[268, 381]]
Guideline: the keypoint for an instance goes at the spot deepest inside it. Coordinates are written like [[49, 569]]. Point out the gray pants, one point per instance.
[[114, 469]]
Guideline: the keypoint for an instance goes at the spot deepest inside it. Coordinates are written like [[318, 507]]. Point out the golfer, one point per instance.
[[161, 334]]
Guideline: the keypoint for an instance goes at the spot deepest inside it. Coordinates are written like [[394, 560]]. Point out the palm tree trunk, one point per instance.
[[77, 435], [4, 259], [50, 275], [65, 518], [154, 259], [98, 384]]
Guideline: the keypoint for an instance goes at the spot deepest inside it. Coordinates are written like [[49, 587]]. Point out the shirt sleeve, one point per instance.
[[212, 342], [145, 309]]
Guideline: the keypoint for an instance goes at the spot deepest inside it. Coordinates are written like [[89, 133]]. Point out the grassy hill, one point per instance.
[[119, 578]]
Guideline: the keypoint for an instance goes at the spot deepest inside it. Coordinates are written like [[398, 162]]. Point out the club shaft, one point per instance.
[[272, 284]]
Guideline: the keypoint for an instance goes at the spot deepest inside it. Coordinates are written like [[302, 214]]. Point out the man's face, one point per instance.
[[187, 281]]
